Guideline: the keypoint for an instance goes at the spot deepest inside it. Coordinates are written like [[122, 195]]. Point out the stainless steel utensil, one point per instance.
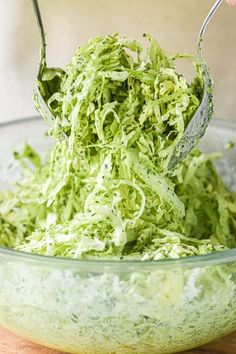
[[199, 122], [47, 78]]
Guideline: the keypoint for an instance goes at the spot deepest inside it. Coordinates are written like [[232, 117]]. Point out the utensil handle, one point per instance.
[[204, 26], [39, 21]]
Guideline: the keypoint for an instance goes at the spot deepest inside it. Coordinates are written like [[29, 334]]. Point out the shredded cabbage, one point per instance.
[[106, 191]]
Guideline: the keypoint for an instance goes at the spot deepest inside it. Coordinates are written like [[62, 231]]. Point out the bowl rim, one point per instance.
[[215, 258]]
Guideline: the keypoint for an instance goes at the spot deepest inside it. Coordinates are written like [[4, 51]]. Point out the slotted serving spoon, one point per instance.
[[48, 79], [200, 120]]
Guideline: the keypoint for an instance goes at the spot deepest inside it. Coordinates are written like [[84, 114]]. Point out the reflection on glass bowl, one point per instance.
[[122, 307]]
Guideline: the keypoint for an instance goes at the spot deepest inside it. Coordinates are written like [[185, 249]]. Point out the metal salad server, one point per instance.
[[200, 120], [48, 79]]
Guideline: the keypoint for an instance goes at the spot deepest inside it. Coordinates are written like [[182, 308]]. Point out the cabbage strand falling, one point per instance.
[[106, 190]]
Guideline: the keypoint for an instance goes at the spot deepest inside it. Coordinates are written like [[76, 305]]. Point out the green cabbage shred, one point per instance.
[[105, 191]]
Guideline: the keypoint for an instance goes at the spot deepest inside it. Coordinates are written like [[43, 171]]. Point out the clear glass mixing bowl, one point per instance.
[[122, 307]]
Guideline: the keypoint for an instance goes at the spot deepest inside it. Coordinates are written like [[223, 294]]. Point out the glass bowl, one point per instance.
[[122, 307]]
